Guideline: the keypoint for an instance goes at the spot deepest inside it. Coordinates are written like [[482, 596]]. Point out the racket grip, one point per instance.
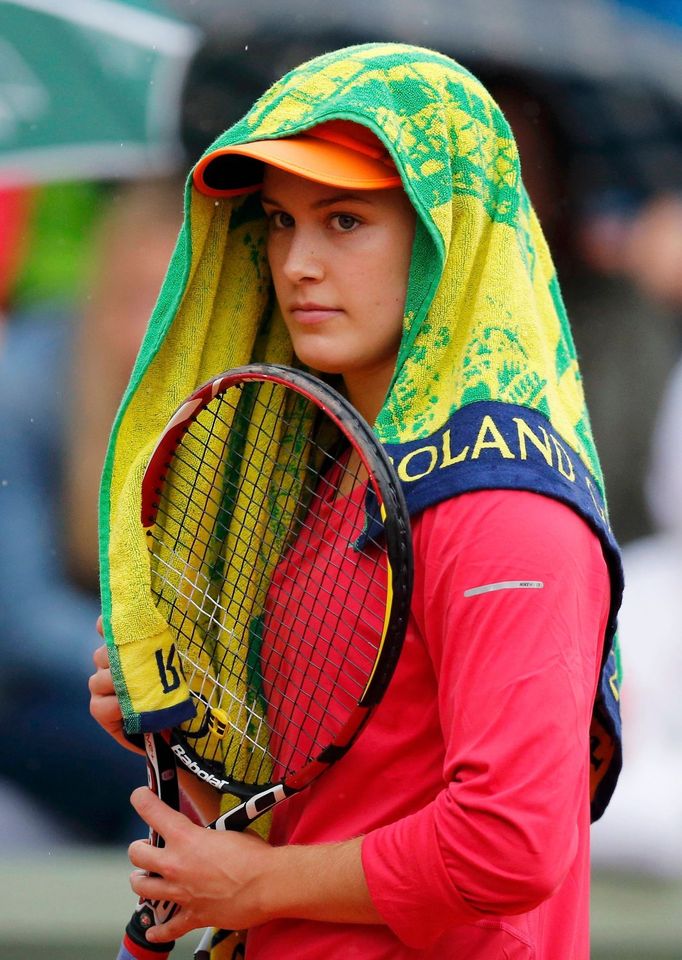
[[135, 945], [163, 780]]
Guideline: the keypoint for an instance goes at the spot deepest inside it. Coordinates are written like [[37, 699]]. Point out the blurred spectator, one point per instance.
[[643, 831], [62, 373], [646, 246], [628, 343], [643, 828]]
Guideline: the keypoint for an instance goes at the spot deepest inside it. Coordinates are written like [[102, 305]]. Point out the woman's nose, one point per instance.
[[304, 259]]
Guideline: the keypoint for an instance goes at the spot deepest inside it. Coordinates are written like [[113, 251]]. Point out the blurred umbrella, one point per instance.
[[606, 39], [89, 88]]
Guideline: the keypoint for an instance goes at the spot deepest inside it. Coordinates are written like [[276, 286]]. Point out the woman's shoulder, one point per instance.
[[490, 522]]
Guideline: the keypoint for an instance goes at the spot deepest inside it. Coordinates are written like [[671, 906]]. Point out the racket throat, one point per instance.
[[243, 815]]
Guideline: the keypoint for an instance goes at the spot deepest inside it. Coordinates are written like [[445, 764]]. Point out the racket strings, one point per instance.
[[286, 700], [232, 694], [213, 519], [325, 677], [199, 526], [215, 603], [202, 457], [325, 680], [339, 683]]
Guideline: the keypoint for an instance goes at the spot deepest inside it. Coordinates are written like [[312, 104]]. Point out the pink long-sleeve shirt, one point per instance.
[[470, 782]]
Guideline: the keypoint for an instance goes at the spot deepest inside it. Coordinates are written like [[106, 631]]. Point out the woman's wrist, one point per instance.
[[323, 882]]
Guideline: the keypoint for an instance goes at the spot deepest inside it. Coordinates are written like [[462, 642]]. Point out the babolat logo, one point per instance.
[[196, 769]]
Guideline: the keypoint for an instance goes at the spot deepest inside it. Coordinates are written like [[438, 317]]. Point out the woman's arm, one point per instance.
[[512, 597]]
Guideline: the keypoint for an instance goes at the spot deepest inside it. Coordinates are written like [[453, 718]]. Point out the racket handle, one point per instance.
[[135, 945], [163, 780]]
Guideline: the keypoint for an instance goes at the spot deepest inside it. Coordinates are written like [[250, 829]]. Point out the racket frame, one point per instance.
[[398, 544]]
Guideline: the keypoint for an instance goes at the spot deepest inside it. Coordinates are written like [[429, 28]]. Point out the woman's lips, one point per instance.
[[310, 313]]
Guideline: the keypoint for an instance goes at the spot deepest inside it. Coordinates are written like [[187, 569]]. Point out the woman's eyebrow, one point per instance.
[[340, 198], [323, 202]]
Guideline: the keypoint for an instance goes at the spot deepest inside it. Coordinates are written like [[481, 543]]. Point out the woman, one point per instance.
[[377, 192]]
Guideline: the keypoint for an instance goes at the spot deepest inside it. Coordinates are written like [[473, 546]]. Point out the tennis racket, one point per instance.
[[281, 561]]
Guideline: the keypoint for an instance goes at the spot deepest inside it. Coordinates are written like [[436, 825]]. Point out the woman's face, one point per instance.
[[340, 263]]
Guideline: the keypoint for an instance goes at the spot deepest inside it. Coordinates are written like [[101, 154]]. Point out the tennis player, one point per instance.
[[392, 247]]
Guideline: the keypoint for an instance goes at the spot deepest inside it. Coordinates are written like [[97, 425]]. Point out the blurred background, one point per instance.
[[104, 106]]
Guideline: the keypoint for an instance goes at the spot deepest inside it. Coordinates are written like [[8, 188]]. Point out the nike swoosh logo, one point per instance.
[[505, 585]]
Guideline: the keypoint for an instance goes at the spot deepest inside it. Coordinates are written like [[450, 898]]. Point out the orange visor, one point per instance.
[[339, 153]]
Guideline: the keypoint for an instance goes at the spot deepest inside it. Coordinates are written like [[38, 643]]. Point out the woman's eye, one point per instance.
[[345, 221], [280, 220]]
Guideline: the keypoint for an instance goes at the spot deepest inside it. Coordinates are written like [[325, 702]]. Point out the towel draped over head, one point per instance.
[[486, 392]]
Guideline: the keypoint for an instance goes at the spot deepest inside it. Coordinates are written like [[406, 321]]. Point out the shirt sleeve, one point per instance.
[[511, 598]]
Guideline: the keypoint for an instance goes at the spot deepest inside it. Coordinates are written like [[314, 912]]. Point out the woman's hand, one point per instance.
[[237, 881], [104, 705], [216, 878]]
